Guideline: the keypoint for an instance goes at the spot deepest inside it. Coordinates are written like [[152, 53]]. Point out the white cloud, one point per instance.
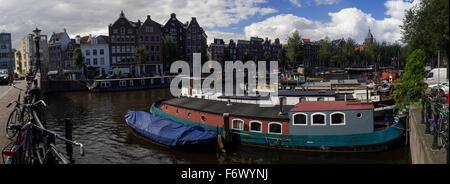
[[296, 3], [348, 22], [87, 16], [326, 2]]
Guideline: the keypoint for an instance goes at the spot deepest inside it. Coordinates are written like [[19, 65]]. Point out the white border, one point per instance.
[[293, 119], [331, 119], [243, 124], [317, 113], [268, 128], [250, 126]]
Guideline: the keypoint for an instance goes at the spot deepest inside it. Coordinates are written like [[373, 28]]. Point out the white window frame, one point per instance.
[[105, 84], [131, 83], [341, 124], [243, 124], [268, 128], [250, 126], [123, 83], [293, 119], [318, 113]]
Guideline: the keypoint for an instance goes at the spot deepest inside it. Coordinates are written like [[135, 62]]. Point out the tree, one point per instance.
[[325, 51], [141, 55], [426, 27], [280, 57], [412, 80], [247, 55], [170, 51], [295, 48], [348, 52], [79, 61]]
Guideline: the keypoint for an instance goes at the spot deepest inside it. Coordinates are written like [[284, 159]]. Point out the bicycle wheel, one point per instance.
[[443, 133], [5, 157], [13, 119]]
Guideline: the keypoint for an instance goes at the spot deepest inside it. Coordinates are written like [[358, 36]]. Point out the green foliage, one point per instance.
[[119, 74], [295, 48], [141, 55], [170, 51], [325, 51], [412, 80], [78, 60], [348, 52], [426, 27]]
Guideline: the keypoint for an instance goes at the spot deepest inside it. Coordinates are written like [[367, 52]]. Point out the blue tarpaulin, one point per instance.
[[166, 131]]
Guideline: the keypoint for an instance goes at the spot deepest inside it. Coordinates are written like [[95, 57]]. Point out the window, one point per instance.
[[105, 84], [337, 118], [238, 124], [122, 30], [95, 61], [359, 115], [88, 52], [176, 111], [300, 119], [88, 61], [115, 31], [122, 83], [189, 114], [102, 51], [102, 61], [318, 119], [203, 118], [275, 128], [130, 31], [255, 126], [131, 83]]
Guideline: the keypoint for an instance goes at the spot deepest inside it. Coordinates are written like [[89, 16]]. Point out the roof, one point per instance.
[[330, 105], [236, 109], [305, 93]]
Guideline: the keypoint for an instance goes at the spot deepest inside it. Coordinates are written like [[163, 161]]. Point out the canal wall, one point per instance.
[[63, 86], [420, 143]]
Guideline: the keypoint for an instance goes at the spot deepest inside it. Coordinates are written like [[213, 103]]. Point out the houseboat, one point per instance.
[[126, 84], [310, 125]]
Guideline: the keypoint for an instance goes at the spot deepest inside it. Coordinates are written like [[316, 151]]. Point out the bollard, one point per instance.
[[68, 129], [427, 116], [423, 108], [434, 146]]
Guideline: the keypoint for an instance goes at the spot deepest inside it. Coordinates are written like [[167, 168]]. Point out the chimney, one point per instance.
[[281, 105], [148, 16]]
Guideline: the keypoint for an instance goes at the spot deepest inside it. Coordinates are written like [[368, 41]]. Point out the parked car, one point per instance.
[[439, 89], [5, 78]]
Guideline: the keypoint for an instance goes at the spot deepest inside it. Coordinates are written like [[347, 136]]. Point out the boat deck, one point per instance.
[[236, 109]]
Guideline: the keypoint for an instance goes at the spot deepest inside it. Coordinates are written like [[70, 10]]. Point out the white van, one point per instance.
[[436, 75]]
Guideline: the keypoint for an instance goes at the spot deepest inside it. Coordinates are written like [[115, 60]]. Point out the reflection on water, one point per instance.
[[98, 123]]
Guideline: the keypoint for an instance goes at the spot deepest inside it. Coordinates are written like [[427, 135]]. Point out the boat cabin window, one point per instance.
[[337, 118], [131, 82], [122, 83], [275, 128], [300, 119], [359, 115], [176, 111], [105, 84], [203, 118], [189, 115], [238, 124], [255, 126], [142, 82], [318, 119]]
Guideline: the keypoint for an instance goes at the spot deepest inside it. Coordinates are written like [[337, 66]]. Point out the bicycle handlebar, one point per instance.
[[27, 105]]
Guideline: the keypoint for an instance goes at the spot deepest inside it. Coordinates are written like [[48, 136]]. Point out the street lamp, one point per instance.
[[37, 38]]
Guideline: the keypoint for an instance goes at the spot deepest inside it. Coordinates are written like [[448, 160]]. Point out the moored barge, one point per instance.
[[310, 125], [126, 84]]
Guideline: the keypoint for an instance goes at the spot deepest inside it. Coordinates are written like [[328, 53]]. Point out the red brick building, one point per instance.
[[123, 35], [150, 36]]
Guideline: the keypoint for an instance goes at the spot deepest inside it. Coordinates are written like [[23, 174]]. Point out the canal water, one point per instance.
[[99, 124]]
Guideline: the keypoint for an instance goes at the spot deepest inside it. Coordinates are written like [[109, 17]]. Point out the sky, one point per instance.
[[225, 19]]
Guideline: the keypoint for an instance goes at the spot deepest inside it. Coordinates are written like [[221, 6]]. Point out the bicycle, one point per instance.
[[29, 150], [441, 126], [18, 113]]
